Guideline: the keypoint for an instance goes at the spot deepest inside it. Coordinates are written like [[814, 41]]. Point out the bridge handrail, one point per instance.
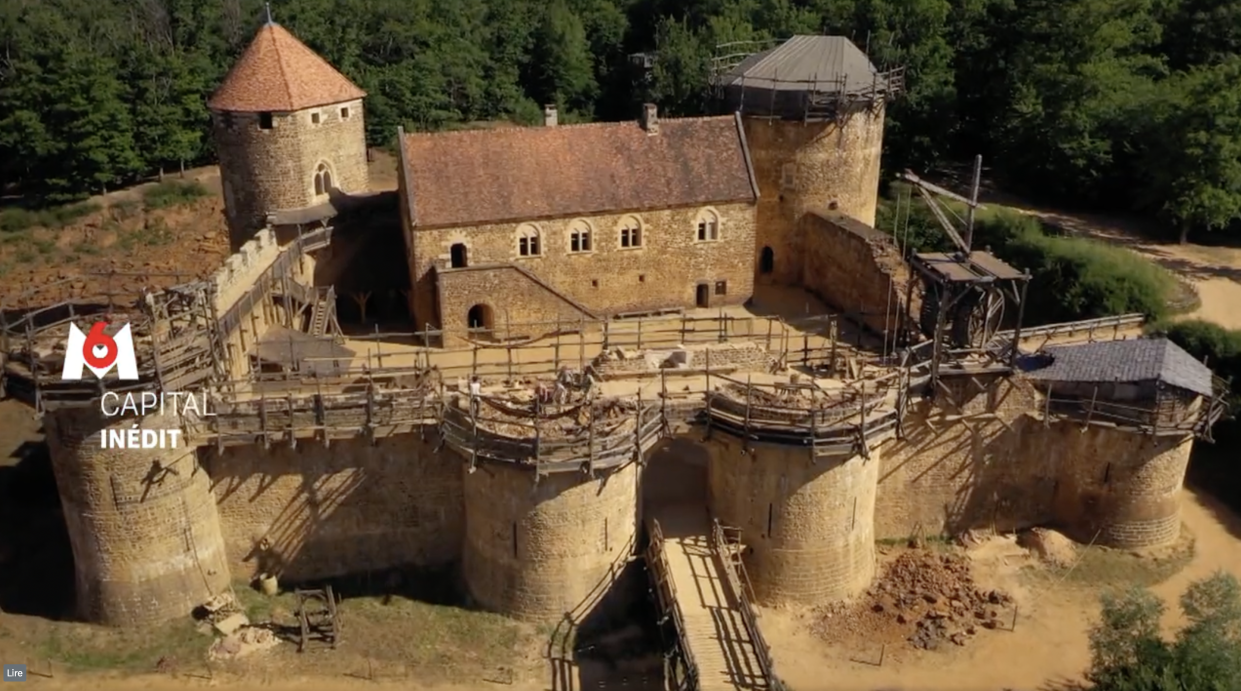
[[739, 581], [655, 551]]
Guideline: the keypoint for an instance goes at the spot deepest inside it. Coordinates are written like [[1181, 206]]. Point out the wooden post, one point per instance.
[[474, 364], [749, 384], [770, 322], [590, 442], [508, 351], [663, 394], [833, 333], [637, 431], [581, 344], [640, 320], [379, 356], [707, 352], [556, 351], [606, 323]]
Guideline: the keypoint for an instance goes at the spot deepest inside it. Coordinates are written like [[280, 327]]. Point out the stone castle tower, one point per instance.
[[813, 112], [288, 130]]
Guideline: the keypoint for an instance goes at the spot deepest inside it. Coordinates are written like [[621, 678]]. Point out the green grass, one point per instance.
[[81, 648], [16, 219], [172, 193], [1102, 566]]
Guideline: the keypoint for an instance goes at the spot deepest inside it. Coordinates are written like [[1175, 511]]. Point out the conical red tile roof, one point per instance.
[[280, 73]]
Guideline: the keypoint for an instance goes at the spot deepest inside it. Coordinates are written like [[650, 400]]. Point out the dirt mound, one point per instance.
[[1051, 547], [923, 598]]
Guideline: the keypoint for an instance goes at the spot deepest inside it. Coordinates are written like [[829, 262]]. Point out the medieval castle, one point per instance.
[[594, 374]]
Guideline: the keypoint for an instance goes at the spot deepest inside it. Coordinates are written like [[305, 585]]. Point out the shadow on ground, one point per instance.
[[36, 561]]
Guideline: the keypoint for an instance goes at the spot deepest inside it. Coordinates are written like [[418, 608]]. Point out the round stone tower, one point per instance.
[[809, 523], [146, 538], [1122, 488], [813, 112], [288, 131], [538, 551]]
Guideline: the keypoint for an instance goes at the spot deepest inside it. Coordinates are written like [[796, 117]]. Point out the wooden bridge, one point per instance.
[[705, 599]]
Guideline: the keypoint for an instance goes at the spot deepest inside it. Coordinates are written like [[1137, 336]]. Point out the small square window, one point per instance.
[[641, 278], [314, 118], [265, 121], [594, 283], [721, 287], [344, 113]]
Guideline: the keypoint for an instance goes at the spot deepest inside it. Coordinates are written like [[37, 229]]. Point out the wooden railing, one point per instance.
[[606, 444], [669, 603], [1163, 415], [1091, 327], [726, 550]]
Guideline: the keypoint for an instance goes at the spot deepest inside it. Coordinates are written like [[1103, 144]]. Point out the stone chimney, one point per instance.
[[549, 115], [650, 118]]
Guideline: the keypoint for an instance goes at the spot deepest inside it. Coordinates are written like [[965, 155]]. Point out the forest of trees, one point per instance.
[[1111, 104]]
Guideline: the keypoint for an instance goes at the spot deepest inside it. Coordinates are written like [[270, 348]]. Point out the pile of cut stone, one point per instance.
[[935, 595], [240, 638]]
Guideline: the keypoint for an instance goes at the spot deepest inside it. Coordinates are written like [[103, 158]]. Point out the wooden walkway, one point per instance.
[[717, 637]]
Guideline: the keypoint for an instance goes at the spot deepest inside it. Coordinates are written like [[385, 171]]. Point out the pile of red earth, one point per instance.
[[924, 598]]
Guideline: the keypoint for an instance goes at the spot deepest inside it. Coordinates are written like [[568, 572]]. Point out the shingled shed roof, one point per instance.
[[475, 177], [279, 73], [1133, 361], [805, 61]]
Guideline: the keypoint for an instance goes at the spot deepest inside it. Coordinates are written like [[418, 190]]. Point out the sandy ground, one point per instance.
[[1047, 650]]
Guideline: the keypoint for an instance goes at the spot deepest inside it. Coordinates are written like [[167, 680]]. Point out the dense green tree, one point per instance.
[[1128, 653], [1128, 104], [1193, 156]]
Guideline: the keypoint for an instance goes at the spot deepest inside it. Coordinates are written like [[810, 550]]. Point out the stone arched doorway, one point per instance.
[[767, 261], [480, 321]]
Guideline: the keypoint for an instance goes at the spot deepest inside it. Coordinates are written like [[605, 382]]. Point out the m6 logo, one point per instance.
[[99, 352]]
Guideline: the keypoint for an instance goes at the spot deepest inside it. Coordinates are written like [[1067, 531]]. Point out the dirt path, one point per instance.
[[1214, 272]]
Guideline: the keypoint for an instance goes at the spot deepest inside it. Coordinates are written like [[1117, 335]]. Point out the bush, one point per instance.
[[170, 193], [1075, 278], [1128, 654], [15, 219]]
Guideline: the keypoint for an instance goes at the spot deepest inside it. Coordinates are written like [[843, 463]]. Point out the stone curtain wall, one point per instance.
[[801, 166], [854, 267], [143, 524], [243, 268], [810, 525], [264, 171], [513, 298], [744, 356], [1111, 486], [662, 273], [340, 510]]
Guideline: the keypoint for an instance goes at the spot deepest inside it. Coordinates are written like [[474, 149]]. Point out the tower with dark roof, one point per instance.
[[813, 109], [288, 131]]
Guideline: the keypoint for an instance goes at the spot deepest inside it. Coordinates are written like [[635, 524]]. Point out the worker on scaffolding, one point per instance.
[[476, 390]]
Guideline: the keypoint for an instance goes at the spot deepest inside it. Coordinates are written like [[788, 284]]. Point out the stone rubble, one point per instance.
[[923, 598]]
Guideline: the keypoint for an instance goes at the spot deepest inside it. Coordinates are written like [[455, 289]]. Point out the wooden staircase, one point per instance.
[[322, 311]]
